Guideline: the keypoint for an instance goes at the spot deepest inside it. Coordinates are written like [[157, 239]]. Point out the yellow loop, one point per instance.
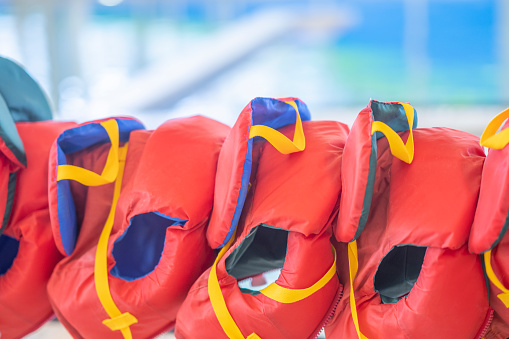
[[490, 138], [404, 152], [353, 263], [109, 173], [277, 139], [504, 296], [288, 295]]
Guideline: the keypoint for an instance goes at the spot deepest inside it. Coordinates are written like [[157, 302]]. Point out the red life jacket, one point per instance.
[[135, 246], [488, 235], [27, 250], [276, 277], [407, 218]]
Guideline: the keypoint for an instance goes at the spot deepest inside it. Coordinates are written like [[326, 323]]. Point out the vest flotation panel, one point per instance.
[[132, 283], [488, 235], [407, 218], [27, 250], [276, 278]]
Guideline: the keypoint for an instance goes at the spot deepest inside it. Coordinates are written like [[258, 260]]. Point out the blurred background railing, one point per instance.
[[159, 59]]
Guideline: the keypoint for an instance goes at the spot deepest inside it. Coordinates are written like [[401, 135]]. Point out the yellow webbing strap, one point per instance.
[[490, 138], [404, 152], [504, 296], [273, 291], [113, 171], [277, 139], [353, 263], [89, 178], [218, 304], [288, 295]]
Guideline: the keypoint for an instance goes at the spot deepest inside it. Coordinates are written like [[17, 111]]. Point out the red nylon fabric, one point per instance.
[[170, 170], [355, 175], [24, 304], [296, 192], [429, 202], [493, 207]]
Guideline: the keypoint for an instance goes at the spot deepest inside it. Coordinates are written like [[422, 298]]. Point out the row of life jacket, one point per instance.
[[138, 217]]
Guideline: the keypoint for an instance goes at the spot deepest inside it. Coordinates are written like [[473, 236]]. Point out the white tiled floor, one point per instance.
[[54, 330]]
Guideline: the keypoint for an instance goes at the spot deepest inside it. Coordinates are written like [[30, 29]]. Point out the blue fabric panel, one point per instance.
[[78, 138], [138, 250], [70, 141], [246, 175], [67, 221], [275, 113], [393, 114], [8, 252]]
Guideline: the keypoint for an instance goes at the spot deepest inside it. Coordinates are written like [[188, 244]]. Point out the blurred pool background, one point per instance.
[[159, 59]]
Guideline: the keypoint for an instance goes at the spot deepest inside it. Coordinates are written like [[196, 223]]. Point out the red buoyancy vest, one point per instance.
[[488, 235], [408, 223], [282, 205], [132, 282], [27, 250]]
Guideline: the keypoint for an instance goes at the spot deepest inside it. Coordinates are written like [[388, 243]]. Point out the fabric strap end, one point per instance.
[[504, 297], [120, 322]]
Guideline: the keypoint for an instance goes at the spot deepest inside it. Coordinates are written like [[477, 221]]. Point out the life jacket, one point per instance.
[[133, 236], [488, 236], [27, 250], [406, 218], [273, 205]]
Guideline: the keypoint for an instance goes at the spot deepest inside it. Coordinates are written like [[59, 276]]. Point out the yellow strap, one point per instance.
[[109, 173], [404, 152], [353, 263], [277, 139], [218, 303], [288, 295], [118, 320], [113, 171], [273, 291], [504, 296], [490, 138]]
